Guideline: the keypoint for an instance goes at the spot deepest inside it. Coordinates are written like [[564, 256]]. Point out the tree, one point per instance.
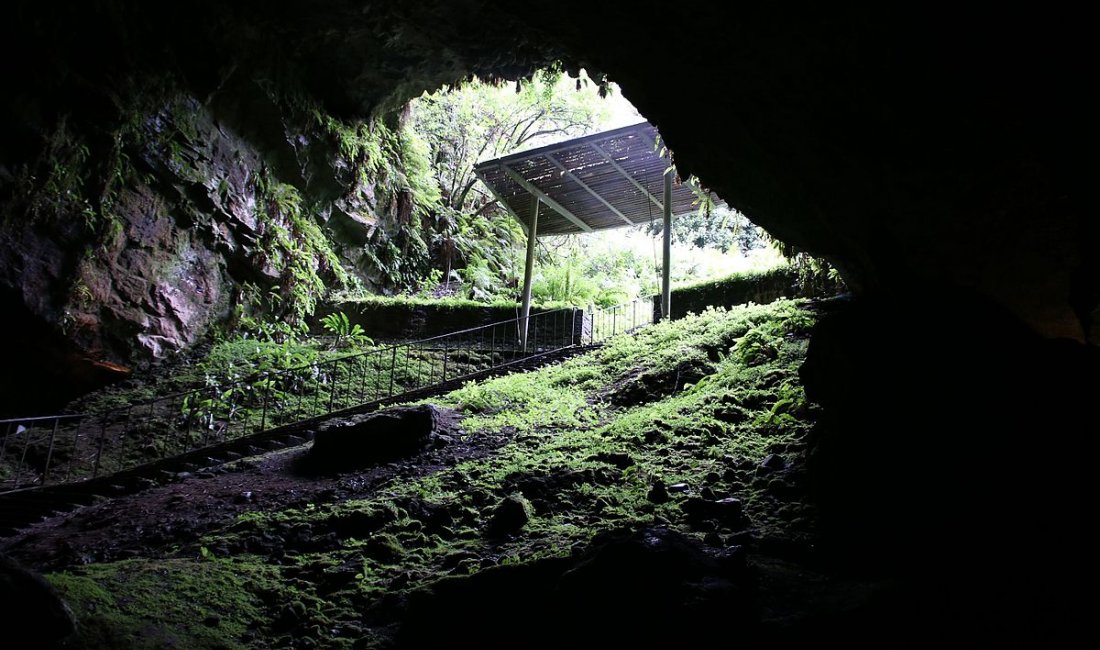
[[720, 228], [479, 121]]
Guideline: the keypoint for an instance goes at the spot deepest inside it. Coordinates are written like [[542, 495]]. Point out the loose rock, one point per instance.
[[658, 493], [510, 515], [773, 462]]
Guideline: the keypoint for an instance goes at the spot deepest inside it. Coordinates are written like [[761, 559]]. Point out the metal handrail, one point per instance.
[[74, 447], [41, 417]]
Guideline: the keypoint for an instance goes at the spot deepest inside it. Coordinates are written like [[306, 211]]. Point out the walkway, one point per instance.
[[57, 462]]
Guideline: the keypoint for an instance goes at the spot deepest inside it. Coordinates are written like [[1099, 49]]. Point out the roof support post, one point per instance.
[[666, 257], [528, 272]]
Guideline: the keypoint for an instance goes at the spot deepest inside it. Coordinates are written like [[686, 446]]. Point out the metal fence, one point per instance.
[[66, 448], [605, 322]]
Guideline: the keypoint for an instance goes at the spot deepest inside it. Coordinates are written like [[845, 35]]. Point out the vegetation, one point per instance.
[[423, 225], [719, 228], [701, 402], [786, 280], [338, 325], [267, 348], [478, 121], [207, 604]]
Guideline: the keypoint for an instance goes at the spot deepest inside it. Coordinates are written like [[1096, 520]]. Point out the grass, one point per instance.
[[700, 401]]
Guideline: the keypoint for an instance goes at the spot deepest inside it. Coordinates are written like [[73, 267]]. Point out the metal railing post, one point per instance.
[[363, 379], [393, 367], [332, 386], [49, 451], [99, 446], [23, 455], [263, 411], [408, 350]]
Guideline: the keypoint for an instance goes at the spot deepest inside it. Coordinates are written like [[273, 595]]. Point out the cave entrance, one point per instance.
[[614, 179]]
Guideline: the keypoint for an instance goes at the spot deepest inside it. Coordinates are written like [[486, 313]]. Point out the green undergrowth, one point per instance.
[[446, 302], [693, 409], [221, 363], [239, 387]]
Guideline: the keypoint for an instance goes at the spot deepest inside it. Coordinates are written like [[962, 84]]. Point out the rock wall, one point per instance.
[[135, 251], [945, 455], [168, 169]]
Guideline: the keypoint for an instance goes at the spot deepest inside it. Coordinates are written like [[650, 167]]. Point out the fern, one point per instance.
[[345, 332]]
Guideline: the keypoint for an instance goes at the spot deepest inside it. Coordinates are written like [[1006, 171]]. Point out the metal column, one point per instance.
[[528, 271], [666, 268]]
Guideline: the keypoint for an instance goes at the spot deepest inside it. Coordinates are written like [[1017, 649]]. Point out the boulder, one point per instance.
[[361, 441], [772, 463], [658, 493]]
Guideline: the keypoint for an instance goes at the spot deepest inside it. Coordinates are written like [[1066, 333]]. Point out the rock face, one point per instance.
[[918, 464], [366, 440], [163, 186], [207, 211]]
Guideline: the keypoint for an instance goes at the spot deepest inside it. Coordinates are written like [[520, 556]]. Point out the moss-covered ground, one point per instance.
[[651, 428]]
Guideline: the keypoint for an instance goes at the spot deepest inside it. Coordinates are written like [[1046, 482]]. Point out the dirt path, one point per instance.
[[158, 521]]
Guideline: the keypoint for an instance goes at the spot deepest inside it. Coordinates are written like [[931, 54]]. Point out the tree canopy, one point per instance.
[[475, 121]]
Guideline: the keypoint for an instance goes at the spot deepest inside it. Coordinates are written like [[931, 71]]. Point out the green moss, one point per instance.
[[165, 603], [583, 461], [293, 242]]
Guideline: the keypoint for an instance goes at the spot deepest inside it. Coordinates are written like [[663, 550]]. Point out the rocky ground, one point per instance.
[[653, 490]]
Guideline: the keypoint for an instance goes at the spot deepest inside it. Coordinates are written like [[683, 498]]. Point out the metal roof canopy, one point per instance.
[[596, 182]]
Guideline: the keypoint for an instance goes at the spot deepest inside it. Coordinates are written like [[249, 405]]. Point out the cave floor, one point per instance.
[[663, 475]]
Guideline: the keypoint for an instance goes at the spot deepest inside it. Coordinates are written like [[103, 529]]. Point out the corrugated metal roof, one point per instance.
[[599, 181]]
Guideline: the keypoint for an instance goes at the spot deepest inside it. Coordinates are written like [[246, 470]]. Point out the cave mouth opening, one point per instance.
[[939, 394]]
